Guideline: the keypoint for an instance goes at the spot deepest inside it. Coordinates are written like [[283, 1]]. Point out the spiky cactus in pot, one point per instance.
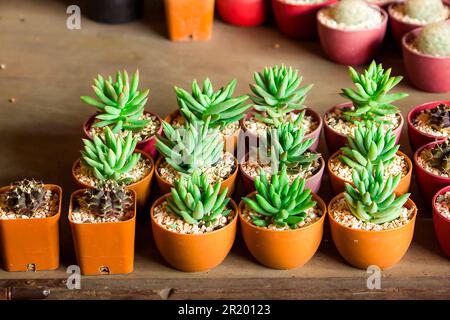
[[440, 157], [425, 10], [352, 12], [439, 117], [26, 196], [434, 39]]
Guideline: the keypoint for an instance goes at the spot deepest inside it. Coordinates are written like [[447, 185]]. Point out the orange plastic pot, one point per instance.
[[164, 186], [189, 19], [194, 252], [31, 244], [142, 187], [103, 248], [362, 248], [338, 184], [285, 249]]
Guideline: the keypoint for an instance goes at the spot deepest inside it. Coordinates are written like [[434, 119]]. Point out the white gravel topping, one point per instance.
[[398, 12], [443, 204], [49, 209]]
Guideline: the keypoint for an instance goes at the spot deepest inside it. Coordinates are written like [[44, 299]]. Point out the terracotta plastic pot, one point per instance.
[[164, 186], [428, 73], [418, 138], [298, 21], [429, 183], [285, 249], [142, 187], [314, 182], [352, 47], [31, 244], [362, 248], [189, 19], [243, 13], [338, 184], [194, 252], [335, 140], [312, 135], [148, 145], [103, 248], [441, 224]]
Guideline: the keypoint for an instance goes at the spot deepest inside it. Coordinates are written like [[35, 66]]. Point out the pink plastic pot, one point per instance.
[[429, 183], [384, 4], [243, 13], [298, 21], [399, 28], [336, 140], [148, 145], [428, 73], [312, 183], [442, 224], [418, 138], [352, 47]]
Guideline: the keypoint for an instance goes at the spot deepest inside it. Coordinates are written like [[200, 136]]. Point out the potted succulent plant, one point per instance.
[[352, 31], [277, 98], [102, 220], [426, 55], [370, 225], [189, 19], [113, 157], [282, 223], [29, 226], [243, 13], [297, 18], [121, 107], [370, 143], [408, 15], [194, 225], [370, 101], [194, 146], [432, 167], [441, 218], [284, 146], [224, 110], [428, 122], [114, 11]]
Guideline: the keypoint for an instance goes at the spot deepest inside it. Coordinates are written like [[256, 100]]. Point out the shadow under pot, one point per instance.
[[363, 248], [429, 178], [350, 46], [85, 179], [297, 20], [243, 13], [283, 249], [103, 247], [441, 218], [194, 252], [146, 144], [250, 170], [336, 128], [32, 244], [426, 72], [253, 128], [189, 19], [420, 130], [114, 11], [338, 180]]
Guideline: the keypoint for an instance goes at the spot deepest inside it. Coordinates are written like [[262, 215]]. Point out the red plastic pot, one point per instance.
[[352, 47], [298, 21], [416, 137], [428, 73], [442, 224], [429, 183], [336, 140], [148, 145], [243, 13], [399, 28]]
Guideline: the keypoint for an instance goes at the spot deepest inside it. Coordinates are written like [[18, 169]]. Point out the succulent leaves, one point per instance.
[[277, 202], [439, 116], [371, 99], [111, 156], [276, 93], [26, 196], [196, 201], [120, 103], [440, 157]]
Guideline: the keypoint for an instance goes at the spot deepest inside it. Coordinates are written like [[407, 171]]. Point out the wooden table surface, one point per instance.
[[47, 68]]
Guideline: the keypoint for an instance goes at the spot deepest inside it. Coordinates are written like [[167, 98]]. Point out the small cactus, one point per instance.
[[439, 116], [352, 12], [425, 10], [26, 196], [434, 39], [440, 157]]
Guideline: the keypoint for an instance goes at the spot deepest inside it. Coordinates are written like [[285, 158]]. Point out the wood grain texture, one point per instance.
[[48, 67]]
